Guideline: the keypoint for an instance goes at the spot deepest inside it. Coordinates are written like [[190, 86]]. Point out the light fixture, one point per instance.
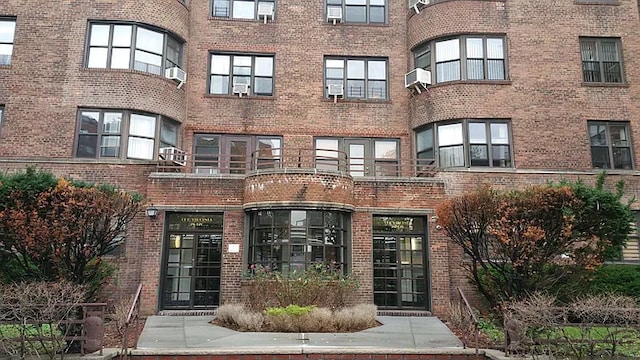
[[152, 211]]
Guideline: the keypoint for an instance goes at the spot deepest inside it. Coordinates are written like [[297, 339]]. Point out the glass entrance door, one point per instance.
[[399, 266], [192, 262]]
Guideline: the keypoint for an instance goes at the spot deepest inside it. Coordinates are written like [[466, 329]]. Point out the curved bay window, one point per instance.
[[286, 240]]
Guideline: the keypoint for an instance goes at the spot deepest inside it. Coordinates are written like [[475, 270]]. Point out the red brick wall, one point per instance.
[[332, 356]]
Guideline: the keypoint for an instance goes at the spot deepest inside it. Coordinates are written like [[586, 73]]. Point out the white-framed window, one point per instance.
[[468, 57], [7, 34], [238, 9], [254, 70], [116, 134], [601, 60], [361, 11], [361, 78], [132, 46], [466, 143], [610, 145]]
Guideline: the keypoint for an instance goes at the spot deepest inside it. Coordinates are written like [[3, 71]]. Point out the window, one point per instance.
[[132, 46], [238, 9], [287, 240], [7, 33], [601, 60], [471, 57], [235, 154], [114, 133], [1, 113], [253, 70], [364, 157], [466, 143], [361, 11], [361, 78], [610, 145]]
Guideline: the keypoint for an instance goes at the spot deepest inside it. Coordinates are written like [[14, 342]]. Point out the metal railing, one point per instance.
[[269, 159], [132, 318], [474, 318]]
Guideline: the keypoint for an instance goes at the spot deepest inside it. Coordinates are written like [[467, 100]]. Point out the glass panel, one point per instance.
[[147, 62], [501, 155], [619, 135], [600, 157], [7, 31], [121, 35], [386, 150], [89, 122], [243, 9], [477, 133], [111, 124], [495, 48], [622, 158], [447, 50], [169, 133], [99, 35], [451, 156], [448, 71], [220, 64], [376, 14], [355, 88], [609, 51], [588, 50], [495, 70], [263, 86], [238, 156], [149, 40], [377, 70], [355, 69], [110, 146], [424, 139], [355, 14], [120, 58], [264, 66], [377, 89], [355, 2], [479, 155], [219, 84], [97, 58], [598, 135], [5, 54], [142, 125], [474, 48], [450, 134], [139, 148], [499, 133], [356, 159], [220, 8]]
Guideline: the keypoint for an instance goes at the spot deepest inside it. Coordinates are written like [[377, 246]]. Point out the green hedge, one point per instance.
[[616, 278]]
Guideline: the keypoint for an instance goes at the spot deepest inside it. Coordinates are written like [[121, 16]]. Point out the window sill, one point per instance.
[[359, 101], [2, 66], [597, 2], [343, 23], [605, 84], [236, 97], [224, 18]]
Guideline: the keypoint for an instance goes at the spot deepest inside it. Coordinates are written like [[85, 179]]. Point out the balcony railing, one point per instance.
[[270, 159]]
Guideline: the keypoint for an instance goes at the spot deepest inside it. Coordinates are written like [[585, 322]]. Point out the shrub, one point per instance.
[[618, 279], [290, 310], [226, 313], [356, 318]]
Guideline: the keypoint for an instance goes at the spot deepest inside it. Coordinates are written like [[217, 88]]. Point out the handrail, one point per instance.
[[132, 317], [476, 323]]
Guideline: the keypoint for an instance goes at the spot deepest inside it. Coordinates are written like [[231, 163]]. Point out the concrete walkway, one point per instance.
[[194, 334]]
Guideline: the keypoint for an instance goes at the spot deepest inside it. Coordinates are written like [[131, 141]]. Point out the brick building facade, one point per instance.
[[294, 139]]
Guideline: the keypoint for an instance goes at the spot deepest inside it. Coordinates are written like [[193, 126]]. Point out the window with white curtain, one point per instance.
[[7, 32], [361, 11], [105, 133], [469, 57], [465, 143], [238, 9]]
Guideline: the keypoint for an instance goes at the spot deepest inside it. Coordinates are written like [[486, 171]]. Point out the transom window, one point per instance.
[[361, 11], [287, 240], [123, 134], [360, 78], [235, 154], [466, 143], [601, 60], [610, 145], [253, 70], [238, 9], [469, 57], [7, 33], [364, 157], [132, 46]]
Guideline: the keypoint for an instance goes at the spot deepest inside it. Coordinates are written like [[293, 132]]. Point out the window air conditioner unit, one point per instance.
[[241, 89], [417, 78], [175, 73], [417, 4], [335, 90], [174, 155], [334, 14], [265, 10]]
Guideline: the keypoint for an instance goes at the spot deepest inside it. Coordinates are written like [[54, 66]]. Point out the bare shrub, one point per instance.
[[36, 315], [318, 320], [359, 317], [228, 312], [119, 314], [249, 321], [460, 319]]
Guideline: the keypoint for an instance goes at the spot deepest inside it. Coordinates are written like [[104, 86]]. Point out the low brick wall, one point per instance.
[[481, 356]]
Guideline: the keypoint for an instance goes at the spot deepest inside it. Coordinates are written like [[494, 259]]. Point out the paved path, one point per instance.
[[194, 333]]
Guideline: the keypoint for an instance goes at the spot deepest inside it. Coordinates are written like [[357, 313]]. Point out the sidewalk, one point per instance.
[[194, 334]]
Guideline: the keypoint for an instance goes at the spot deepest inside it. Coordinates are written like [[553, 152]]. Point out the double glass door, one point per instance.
[[399, 263]]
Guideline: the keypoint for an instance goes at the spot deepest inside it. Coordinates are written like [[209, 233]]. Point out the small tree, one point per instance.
[[64, 231], [519, 242]]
